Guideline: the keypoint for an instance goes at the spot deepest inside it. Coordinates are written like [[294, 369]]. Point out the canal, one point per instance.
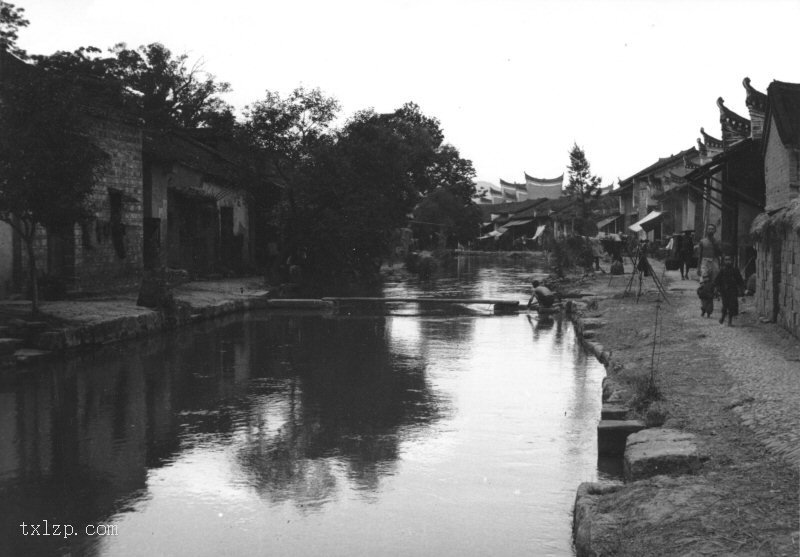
[[407, 432]]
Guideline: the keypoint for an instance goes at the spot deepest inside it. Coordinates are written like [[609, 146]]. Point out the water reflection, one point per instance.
[[433, 433], [348, 405]]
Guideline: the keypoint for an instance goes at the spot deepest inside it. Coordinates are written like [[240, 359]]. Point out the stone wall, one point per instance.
[[778, 278]]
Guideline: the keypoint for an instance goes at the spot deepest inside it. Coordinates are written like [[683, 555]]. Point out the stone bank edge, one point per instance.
[[647, 452], [31, 344]]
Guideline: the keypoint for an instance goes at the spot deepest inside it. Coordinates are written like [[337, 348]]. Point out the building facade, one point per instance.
[[777, 230]]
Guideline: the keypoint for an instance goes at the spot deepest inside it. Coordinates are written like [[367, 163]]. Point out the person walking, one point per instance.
[[685, 253], [730, 284], [708, 256]]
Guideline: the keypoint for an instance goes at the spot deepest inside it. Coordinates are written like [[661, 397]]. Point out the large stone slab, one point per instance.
[[592, 323], [588, 522], [656, 451], [604, 513], [612, 435]]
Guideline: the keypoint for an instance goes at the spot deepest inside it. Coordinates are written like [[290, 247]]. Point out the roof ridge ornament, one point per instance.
[[755, 100], [701, 147]]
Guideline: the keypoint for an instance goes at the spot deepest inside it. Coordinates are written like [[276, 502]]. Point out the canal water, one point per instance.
[[407, 432]]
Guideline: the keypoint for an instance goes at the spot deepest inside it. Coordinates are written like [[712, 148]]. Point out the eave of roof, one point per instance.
[[557, 181], [661, 163]]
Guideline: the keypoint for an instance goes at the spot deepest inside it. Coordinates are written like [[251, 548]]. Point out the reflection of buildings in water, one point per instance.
[[77, 438]]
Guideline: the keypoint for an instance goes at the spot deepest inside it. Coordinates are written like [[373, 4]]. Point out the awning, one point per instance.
[[494, 233], [517, 222], [539, 231], [647, 223], [606, 222]]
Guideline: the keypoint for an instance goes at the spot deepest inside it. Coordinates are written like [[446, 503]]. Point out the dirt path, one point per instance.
[[738, 390]]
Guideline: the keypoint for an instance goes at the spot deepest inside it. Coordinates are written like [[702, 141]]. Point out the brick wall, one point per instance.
[[98, 262]]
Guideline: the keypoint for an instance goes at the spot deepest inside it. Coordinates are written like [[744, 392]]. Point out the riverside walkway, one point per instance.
[[737, 390]]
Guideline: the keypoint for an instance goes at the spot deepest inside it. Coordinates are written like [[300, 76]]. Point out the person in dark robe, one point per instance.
[[730, 285], [685, 253]]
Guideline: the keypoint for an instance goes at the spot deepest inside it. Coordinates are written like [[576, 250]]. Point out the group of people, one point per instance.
[[726, 281]]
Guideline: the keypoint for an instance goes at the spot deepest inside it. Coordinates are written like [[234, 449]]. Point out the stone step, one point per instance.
[[51, 340], [612, 435], [656, 451], [26, 356], [611, 411], [9, 345], [288, 303]]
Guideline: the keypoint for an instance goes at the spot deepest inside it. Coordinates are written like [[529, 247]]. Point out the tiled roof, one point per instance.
[[181, 147], [784, 106], [173, 146], [734, 127], [658, 165], [506, 208], [557, 181]]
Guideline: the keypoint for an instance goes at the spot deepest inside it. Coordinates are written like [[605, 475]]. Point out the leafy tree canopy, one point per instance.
[[48, 165], [355, 188], [288, 128], [12, 18], [168, 90]]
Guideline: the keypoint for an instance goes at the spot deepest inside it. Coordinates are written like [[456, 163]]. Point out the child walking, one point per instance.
[[706, 294], [730, 284]]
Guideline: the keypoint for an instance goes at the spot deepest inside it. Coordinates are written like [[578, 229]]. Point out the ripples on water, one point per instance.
[[415, 433]]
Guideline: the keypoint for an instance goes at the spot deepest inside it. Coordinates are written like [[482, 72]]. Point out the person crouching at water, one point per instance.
[[544, 296], [730, 284]]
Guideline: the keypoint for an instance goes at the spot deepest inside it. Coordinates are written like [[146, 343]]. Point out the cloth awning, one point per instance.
[[517, 222], [494, 233], [647, 223], [607, 221], [539, 231]]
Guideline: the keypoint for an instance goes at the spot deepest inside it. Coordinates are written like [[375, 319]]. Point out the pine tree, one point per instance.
[[583, 186]]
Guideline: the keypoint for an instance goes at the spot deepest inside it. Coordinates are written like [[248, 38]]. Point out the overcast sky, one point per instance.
[[513, 82]]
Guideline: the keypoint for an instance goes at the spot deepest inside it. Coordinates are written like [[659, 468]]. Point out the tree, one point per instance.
[[48, 166], [583, 186], [167, 89], [357, 186], [443, 215], [12, 19], [288, 128], [449, 209]]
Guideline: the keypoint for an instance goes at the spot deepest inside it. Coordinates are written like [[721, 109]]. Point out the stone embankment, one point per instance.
[[717, 471], [74, 324]]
